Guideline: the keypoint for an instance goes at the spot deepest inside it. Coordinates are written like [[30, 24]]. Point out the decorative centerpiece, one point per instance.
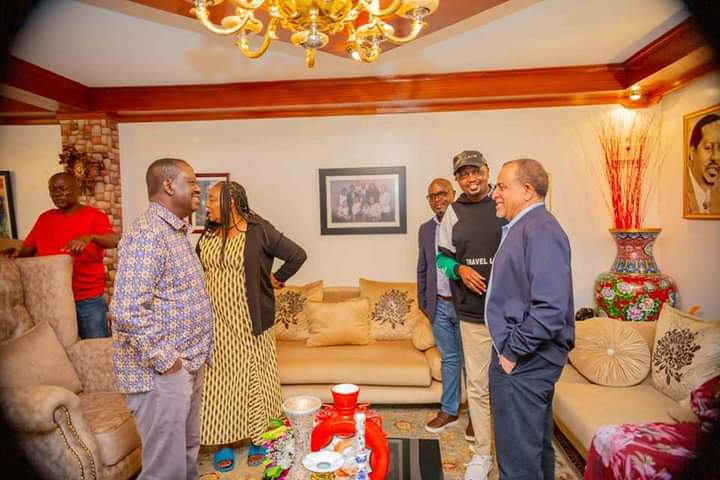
[[634, 289], [354, 431]]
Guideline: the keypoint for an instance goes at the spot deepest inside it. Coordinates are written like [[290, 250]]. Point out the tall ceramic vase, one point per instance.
[[634, 289]]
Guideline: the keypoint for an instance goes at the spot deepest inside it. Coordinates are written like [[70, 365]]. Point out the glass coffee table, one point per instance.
[[414, 459]]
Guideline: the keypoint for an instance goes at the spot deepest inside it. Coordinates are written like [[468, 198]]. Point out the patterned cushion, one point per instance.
[[394, 308], [341, 323], [37, 358], [686, 352], [290, 316], [14, 317], [608, 352]]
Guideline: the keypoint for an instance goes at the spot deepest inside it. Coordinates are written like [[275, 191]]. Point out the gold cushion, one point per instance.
[[681, 412], [393, 308], [686, 353], [608, 352], [14, 317], [290, 316], [37, 358], [422, 334], [584, 407], [340, 323], [388, 363]]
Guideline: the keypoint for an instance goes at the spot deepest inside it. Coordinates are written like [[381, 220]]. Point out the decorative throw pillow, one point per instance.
[[609, 352], [340, 323], [14, 317], [393, 308], [37, 358], [686, 352], [290, 316]]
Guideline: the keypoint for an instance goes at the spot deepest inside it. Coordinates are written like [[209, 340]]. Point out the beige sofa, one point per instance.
[[580, 407], [387, 371], [57, 392]]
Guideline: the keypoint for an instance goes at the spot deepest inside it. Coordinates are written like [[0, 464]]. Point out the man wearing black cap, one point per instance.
[[469, 237]]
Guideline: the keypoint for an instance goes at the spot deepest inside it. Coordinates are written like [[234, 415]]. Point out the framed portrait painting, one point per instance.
[[8, 229], [361, 201], [701, 164], [205, 181]]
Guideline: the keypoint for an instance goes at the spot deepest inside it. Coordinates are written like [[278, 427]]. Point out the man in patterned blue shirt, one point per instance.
[[162, 331]]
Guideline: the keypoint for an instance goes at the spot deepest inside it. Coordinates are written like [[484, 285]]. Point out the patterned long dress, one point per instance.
[[242, 388]]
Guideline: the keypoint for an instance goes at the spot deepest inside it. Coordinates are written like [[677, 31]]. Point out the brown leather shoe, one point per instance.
[[470, 433], [441, 420]]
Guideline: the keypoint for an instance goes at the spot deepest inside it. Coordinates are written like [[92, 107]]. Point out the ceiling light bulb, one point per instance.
[[635, 93]]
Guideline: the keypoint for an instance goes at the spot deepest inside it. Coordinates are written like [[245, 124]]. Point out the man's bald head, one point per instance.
[[161, 170], [441, 182], [440, 195], [64, 191], [69, 178]]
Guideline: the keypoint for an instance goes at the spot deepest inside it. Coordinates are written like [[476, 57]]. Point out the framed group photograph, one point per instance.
[[701, 164], [205, 181], [8, 229], [361, 201]]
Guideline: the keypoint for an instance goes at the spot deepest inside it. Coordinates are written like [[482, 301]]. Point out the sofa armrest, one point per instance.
[[92, 359], [422, 337], [31, 409], [433, 358]]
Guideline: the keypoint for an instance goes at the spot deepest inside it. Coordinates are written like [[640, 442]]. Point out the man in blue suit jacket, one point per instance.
[[529, 312], [436, 302]]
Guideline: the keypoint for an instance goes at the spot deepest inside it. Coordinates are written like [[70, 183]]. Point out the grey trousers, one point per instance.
[[168, 420]]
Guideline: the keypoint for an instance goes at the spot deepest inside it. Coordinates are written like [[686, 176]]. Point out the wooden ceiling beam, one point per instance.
[[662, 66], [31, 78], [669, 48]]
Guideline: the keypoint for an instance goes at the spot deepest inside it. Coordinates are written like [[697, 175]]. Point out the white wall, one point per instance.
[[278, 160], [31, 155], [687, 248]]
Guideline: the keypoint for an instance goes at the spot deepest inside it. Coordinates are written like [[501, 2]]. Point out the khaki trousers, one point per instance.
[[477, 348]]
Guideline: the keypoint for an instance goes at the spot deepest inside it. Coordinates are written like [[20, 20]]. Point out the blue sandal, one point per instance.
[[224, 459]]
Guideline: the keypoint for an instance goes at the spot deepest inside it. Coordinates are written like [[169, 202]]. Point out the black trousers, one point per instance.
[[522, 417]]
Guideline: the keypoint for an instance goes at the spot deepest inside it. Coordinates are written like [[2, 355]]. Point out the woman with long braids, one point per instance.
[[242, 388]]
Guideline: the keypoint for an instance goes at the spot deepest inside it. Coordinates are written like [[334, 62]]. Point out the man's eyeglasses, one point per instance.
[[437, 195]]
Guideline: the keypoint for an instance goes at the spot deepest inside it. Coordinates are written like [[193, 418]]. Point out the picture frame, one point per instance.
[[205, 181], [701, 178], [8, 226], [362, 201]]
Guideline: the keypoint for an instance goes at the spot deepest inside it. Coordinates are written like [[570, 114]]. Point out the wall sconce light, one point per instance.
[[635, 93]]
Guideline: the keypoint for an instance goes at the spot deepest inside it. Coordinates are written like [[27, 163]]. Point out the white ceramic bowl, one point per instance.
[[323, 461]]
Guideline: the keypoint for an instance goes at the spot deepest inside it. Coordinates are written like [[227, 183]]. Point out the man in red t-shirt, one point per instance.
[[82, 232]]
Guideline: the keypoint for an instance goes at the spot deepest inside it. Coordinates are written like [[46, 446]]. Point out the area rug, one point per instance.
[[409, 422]]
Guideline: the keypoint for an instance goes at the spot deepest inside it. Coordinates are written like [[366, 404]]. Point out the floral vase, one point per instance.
[[634, 289]]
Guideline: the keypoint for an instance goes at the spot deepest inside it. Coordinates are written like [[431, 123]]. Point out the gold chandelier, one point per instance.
[[313, 21]]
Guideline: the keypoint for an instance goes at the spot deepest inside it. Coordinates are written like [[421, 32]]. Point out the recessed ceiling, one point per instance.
[[121, 43]]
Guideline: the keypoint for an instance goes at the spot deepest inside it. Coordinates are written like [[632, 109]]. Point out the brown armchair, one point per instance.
[[56, 391]]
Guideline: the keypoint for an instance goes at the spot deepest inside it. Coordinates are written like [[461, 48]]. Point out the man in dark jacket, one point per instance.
[[469, 237], [529, 313], [435, 300]]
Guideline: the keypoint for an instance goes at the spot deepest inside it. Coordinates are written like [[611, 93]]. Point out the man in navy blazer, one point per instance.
[[436, 302], [529, 312]]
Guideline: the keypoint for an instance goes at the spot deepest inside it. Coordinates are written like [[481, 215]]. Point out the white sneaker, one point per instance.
[[479, 467]]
